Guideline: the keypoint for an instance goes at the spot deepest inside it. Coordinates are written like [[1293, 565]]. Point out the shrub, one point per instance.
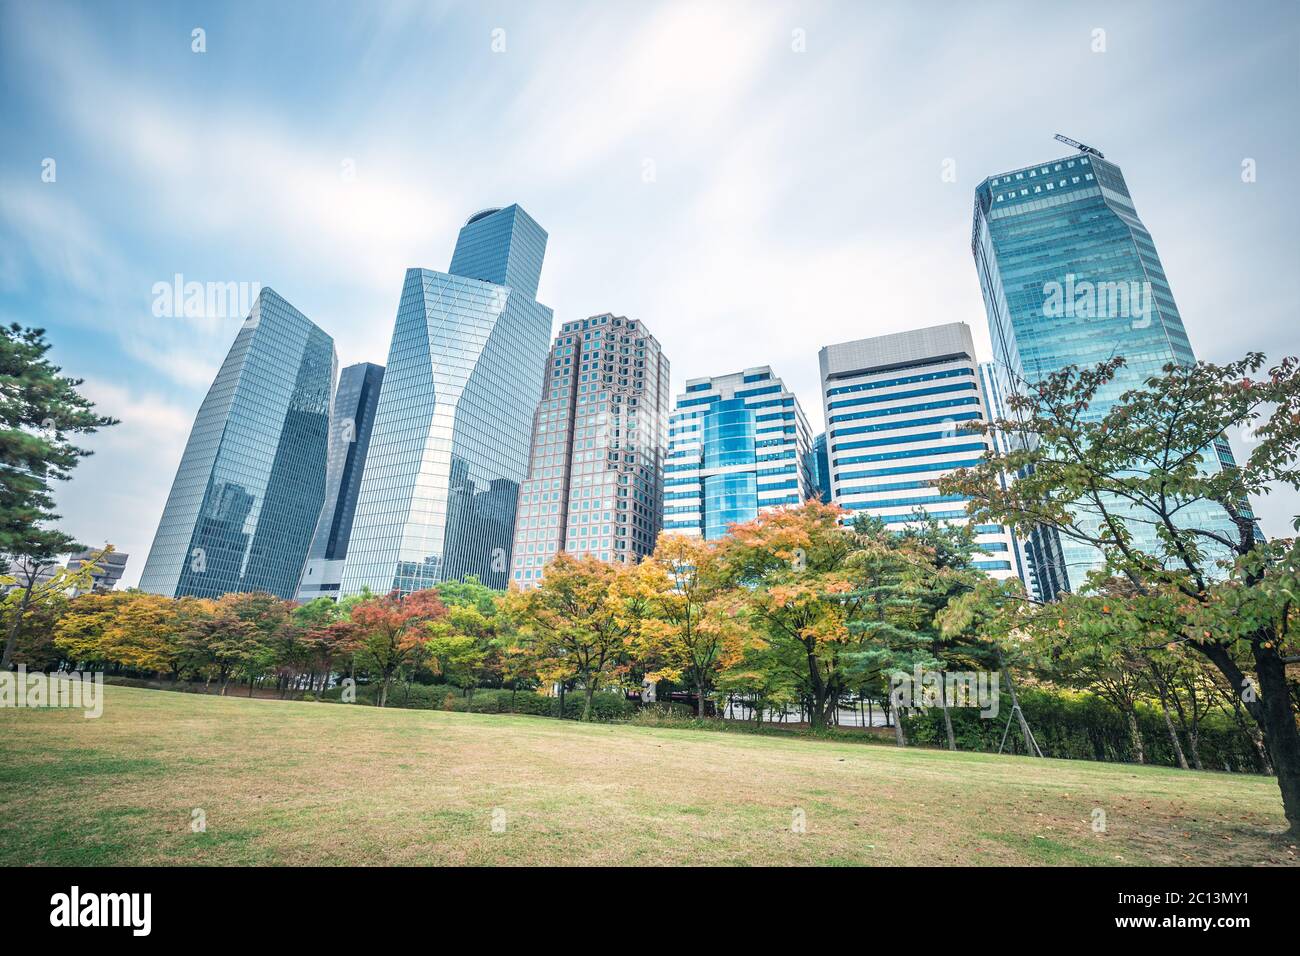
[[1081, 726]]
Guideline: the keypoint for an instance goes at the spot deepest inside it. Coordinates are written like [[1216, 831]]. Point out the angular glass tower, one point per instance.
[[350, 428], [451, 435], [737, 444], [1070, 276], [251, 481]]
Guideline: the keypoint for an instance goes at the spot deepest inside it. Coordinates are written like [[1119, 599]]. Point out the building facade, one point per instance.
[[595, 478], [821, 468], [1071, 276], [108, 569], [251, 481], [738, 444], [898, 414], [451, 435], [350, 429]]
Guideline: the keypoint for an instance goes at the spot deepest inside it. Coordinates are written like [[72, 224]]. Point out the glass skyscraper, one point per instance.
[[898, 414], [452, 428], [251, 481], [1070, 276], [595, 483], [737, 444], [355, 403], [821, 468]]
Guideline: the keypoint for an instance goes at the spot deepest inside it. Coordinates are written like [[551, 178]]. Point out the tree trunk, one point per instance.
[[1273, 713], [1280, 733], [1173, 736], [12, 639], [947, 717], [898, 727], [383, 692], [587, 693], [1136, 736], [699, 704]]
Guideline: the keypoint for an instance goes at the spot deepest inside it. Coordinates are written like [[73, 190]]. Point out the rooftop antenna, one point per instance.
[[1081, 147]]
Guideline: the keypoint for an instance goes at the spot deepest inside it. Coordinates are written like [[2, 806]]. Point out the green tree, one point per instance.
[[39, 410], [1100, 479]]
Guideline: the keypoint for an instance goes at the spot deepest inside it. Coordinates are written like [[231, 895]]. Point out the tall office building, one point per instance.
[[898, 413], [1070, 276], [821, 468], [595, 482], [353, 420], [737, 444], [251, 481], [450, 442]]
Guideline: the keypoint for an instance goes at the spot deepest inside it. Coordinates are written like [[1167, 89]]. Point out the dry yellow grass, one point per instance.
[[305, 783]]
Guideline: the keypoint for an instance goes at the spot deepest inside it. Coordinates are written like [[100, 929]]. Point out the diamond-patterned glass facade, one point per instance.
[[251, 481], [451, 435]]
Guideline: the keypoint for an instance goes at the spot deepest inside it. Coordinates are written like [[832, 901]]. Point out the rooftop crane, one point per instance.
[[1081, 147]]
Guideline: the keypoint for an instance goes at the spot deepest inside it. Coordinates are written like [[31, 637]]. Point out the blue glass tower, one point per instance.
[[350, 428], [251, 481], [737, 445], [821, 468], [453, 424], [1070, 276]]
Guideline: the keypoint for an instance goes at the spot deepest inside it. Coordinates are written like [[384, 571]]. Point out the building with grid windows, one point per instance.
[[1070, 276], [450, 442], [355, 403], [898, 411], [595, 479], [251, 481], [737, 444]]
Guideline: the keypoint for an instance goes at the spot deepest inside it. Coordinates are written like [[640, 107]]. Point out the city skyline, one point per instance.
[[758, 205]]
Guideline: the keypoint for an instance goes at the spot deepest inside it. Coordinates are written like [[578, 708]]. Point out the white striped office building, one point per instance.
[[897, 411]]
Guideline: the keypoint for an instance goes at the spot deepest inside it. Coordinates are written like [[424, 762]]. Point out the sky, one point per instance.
[[753, 181]]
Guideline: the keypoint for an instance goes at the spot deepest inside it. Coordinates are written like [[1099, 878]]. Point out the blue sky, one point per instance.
[[751, 202]]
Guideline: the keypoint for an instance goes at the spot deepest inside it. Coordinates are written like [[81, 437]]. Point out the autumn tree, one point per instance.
[[1127, 481], [391, 632], [793, 568], [577, 624], [693, 629]]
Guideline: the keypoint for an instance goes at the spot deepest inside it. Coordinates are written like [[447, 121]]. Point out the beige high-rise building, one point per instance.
[[595, 475]]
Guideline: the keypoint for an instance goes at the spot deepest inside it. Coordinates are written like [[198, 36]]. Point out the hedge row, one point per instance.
[[1080, 726], [604, 706]]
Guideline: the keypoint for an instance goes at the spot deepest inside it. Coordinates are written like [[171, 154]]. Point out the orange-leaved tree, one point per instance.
[[694, 629], [577, 625], [391, 631]]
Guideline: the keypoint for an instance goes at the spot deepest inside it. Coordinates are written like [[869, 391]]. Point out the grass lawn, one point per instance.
[[305, 783]]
